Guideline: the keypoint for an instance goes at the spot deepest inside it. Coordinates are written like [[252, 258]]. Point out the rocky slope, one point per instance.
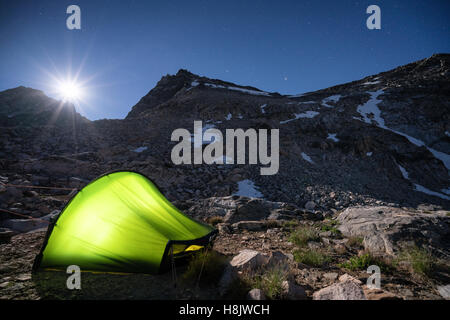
[[379, 142]]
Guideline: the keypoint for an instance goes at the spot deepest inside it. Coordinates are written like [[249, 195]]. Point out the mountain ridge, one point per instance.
[[358, 141]]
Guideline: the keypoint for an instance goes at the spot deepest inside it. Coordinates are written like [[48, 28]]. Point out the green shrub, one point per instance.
[[420, 261], [213, 266], [302, 235], [362, 262], [330, 225], [270, 281], [291, 224], [355, 242], [311, 257]]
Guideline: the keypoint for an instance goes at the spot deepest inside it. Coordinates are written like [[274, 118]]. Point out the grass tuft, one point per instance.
[[213, 267], [355, 242], [362, 262], [418, 260], [302, 235], [270, 281], [312, 258]]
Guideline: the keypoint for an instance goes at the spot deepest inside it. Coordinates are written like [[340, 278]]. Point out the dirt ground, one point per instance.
[[17, 282]]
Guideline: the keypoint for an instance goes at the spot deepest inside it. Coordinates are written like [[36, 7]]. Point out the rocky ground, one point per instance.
[[256, 235], [363, 179]]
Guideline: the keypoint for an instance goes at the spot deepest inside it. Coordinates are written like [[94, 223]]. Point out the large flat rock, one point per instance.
[[386, 230]]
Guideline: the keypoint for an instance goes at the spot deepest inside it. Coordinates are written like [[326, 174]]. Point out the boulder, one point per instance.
[[248, 260], [253, 209], [26, 225], [444, 291], [249, 225], [346, 277], [233, 208], [256, 294], [347, 290], [330, 276], [310, 205], [292, 291], [379, 294], [386, 230], [229, 275], [5, 235], [277, 258]]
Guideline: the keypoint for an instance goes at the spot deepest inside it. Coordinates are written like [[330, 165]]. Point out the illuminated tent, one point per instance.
[[120, 222]]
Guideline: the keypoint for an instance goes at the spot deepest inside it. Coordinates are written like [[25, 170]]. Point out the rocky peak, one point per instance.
[[182, 84], [24, 106], [165, 89]]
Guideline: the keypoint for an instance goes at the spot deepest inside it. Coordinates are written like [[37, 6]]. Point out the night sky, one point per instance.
[[124, 47]]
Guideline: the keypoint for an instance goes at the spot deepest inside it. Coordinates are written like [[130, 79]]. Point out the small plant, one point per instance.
[[331, 222], [291, 224], [355, 242], [270, 281], [330, 225], [420, 261], [302, 235], [211, 266], [312, 258], [362, 262]]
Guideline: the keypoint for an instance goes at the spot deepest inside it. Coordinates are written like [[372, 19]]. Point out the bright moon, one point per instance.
[[70, 91]]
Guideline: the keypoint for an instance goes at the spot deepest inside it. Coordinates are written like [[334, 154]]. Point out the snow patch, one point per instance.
[[369, 154], [335, 98], [193, 84], [308, 114], [254, 92], [307, 158], [246, 188], [371, 82], [332, 136], [140, 149], [262, 107], [418, 187], [215, 86], [371, 107], [404, 172], [296, 95], [308, 102]]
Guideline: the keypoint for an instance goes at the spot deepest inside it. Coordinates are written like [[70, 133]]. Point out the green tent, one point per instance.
[[120, 222]]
